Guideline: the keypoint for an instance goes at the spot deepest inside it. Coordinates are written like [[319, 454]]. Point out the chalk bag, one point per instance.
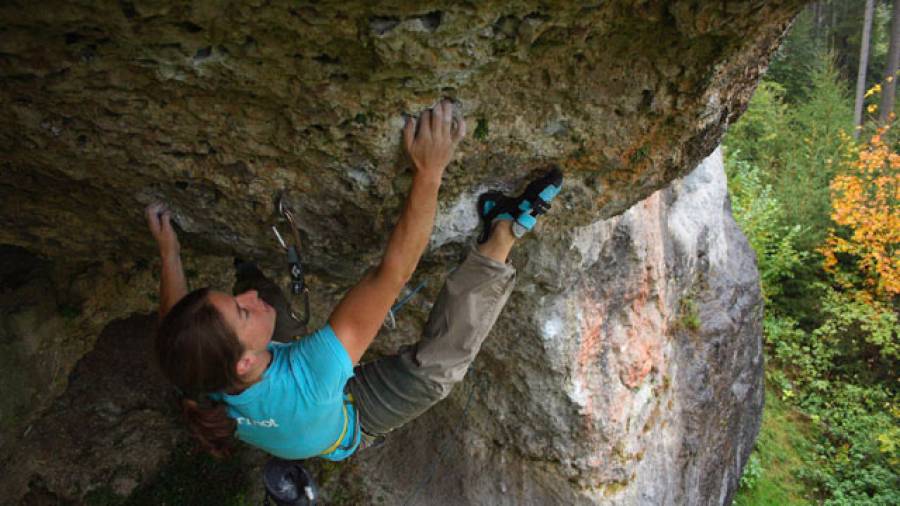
[[289, 484]]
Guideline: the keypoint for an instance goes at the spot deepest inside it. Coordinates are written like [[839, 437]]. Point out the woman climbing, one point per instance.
[[305, 398]]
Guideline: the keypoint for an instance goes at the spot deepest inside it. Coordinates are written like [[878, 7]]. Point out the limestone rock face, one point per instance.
[[626, 369], [612, 371], [216, 109]]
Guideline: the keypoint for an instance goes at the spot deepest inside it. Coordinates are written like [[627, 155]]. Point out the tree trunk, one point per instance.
[[817, 22], [833, 28], [861, 73], [890, 81]]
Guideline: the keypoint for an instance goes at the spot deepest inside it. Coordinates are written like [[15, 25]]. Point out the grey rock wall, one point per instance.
[[626, 369]]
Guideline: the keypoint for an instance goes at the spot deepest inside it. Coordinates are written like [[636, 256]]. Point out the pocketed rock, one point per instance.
[[216, 110]]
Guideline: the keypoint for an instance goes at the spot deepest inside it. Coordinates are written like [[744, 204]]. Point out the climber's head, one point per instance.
[[211, 341], [253, 321], [208, 342]]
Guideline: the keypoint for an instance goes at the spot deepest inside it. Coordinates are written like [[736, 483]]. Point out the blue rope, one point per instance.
[[396, 307]]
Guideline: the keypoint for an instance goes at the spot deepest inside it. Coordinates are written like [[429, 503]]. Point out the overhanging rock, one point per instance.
[[216, 109]]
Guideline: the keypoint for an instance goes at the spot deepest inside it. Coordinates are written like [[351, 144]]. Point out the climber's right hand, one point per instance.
[[431, 139], [159, 219]]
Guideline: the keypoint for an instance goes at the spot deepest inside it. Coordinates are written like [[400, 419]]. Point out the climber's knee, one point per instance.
[[443, 390]]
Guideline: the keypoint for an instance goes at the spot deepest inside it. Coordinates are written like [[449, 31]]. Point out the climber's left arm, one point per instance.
[[172, 283]]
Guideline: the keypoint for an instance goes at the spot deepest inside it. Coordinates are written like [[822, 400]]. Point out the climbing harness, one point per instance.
[[348, 401], [295, 266]]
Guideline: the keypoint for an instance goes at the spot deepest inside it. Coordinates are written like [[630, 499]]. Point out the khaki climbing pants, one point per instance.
[[391, 391]]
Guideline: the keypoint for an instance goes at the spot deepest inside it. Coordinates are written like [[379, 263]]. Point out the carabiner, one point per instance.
[[295, 265]]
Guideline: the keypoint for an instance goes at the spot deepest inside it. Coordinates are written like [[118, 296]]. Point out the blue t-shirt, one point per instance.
[[298, 409]]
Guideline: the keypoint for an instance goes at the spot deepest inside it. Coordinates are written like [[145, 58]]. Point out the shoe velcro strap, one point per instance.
[[526, 220]]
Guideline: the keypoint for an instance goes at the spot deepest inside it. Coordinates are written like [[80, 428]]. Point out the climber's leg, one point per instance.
[[249, 277], [394, 390]]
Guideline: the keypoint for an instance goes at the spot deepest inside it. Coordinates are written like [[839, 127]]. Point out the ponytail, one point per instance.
[[210, 426], [198, 352]]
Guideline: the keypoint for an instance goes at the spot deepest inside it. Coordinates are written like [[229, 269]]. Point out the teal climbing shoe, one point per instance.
[[535, 200], [493, 206], [522, 210]]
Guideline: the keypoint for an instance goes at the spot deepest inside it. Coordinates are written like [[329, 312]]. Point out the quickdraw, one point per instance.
[[295, 266]]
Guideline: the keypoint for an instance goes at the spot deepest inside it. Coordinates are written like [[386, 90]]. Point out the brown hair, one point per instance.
[[198, 352]]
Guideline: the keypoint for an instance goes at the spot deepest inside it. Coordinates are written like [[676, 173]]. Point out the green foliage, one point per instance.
[[689, 314], [848, 34], [771, 476], [760, 215], [792, 64], [816, 150], [481, 129], [763, 134], [830, 355], [798, 148], [752, 472], [795, 150], [840, 375], [846, 396], [851, 467], [868, 334]]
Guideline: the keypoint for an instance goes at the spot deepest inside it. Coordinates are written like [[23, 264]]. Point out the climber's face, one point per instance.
[[251, 318]]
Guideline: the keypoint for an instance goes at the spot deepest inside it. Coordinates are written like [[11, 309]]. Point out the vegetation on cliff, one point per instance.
[[822, 212]]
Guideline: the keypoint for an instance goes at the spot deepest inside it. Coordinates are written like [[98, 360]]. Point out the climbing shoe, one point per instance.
[[522, 210], [493, 206], [535, 200]]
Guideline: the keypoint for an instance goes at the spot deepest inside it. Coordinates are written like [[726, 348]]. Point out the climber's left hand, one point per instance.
[[159, 219]]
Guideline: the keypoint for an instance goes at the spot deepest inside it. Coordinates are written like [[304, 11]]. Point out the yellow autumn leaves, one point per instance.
[[873, 90], [866, 200]]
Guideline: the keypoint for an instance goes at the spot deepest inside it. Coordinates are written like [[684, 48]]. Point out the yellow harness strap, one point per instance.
[[340, 438]]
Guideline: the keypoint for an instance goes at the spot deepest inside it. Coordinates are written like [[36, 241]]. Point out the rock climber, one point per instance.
[[308, 397]]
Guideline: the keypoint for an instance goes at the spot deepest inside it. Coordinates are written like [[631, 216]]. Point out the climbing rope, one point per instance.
[[391, 319]]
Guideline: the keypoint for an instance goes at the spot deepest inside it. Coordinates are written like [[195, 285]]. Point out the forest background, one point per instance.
[[820, 209]]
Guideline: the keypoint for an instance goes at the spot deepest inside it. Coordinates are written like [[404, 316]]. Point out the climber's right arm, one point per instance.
[[172, 283], [360, 314]]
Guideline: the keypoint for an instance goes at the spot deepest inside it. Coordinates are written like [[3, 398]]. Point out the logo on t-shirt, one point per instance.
[[268, 424]]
